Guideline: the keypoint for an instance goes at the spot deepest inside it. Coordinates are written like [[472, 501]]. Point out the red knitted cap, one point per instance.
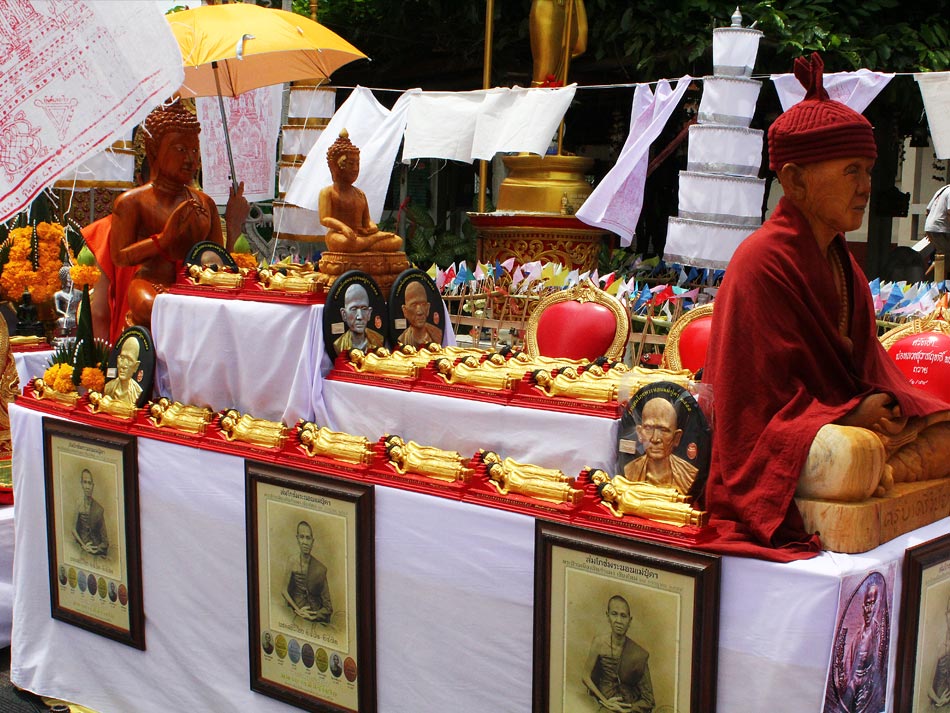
[[818, 128]]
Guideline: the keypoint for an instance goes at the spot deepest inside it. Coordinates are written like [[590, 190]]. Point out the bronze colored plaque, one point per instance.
[[131, 368], [92, 521], [355, 315], [311, 584], [416, 310], [674, 432]]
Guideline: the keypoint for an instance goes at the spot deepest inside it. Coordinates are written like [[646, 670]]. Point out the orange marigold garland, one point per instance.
[[33, 263], [245, 260], [59, 377], [92, 379]]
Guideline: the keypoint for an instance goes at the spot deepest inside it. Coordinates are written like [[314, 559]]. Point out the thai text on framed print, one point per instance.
[[923, 676], [92, 517], [311, 584], [622, 624]]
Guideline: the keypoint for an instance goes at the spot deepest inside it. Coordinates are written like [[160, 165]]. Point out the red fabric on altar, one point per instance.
[[779, 371], [96, 235]]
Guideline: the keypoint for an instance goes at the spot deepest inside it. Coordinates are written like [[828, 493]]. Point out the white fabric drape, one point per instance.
[[253, 126], [935, 90], [73, 79], [375, 130], [615, 204], [854, 89]]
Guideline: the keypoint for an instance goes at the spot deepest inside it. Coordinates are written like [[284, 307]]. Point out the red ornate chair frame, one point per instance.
[[672, 359], [582, 293]]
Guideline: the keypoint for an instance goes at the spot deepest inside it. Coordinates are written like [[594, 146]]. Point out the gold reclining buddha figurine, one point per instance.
[[166, 413], [254, 431], [212, 277], [652, 502], [470, 373], [272, 278], [321, 441], [410, 457], [120, 408], [510, 476], [42, 390], [383, 365]]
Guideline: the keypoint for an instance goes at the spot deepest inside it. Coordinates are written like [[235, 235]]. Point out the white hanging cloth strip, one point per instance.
[[615, 204], [375, 130], [72, 81], [935, 90], [854, 89], [464, 126]]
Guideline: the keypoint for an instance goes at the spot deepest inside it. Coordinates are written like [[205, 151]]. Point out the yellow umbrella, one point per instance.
[[230, 49], [240, 47]]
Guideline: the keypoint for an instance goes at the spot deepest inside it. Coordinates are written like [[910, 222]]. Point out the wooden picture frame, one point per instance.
[[924, 638], [311, 589], [92, 525], [596, 596]]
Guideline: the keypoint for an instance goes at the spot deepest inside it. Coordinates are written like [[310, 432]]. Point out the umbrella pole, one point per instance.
[[224, 121]]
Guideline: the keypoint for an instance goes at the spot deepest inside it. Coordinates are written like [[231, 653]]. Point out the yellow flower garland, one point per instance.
[[18, 274], [59, 377], [92, 379]]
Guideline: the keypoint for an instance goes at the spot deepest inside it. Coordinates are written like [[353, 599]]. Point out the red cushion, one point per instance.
[[576, 330], [693, 342], [923, 358]]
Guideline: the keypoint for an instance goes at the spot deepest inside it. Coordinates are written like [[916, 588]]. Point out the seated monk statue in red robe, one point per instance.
[[154, 225], [344, 210], [806, 402]]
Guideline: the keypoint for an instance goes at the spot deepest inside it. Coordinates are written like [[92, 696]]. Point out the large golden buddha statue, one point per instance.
[[546, 26], [354, 241], [156, 224], [344, 210]]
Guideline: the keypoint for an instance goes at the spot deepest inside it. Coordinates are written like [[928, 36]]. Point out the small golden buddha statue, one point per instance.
[[563, 385], [645, 490], [631, 501], [166, 413], [254, 431], [120, 408], [410, 457], [321, 441], [527, 469], [208, 275], [42, 390], [382, 365], [507, 481], [297, 283], [420, 357], [344, 210], [469, 373]]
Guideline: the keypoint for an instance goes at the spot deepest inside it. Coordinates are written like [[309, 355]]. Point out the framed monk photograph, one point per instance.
[[311, 589], [622, 624], [923, 656], [92, 520]]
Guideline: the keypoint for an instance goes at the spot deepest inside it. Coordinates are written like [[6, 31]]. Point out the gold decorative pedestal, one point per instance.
[[384, 267], [537, 236]]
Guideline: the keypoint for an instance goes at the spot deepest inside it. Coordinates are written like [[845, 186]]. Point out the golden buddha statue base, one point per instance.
[[858, 527], [537, 236], [544, 184], [383, 267]]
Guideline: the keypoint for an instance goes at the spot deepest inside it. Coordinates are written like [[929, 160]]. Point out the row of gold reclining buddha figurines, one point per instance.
[[570, 378]]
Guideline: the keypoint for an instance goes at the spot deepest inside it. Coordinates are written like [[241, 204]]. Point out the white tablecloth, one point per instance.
[[261, 358], [6, 574], [547, 438], [454, 589]]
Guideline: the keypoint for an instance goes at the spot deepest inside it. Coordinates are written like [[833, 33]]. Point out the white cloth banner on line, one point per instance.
[[375, 130], [464, 126], [935, 90], [854, 89], [72, 81], [253, 126], [615, 204]]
